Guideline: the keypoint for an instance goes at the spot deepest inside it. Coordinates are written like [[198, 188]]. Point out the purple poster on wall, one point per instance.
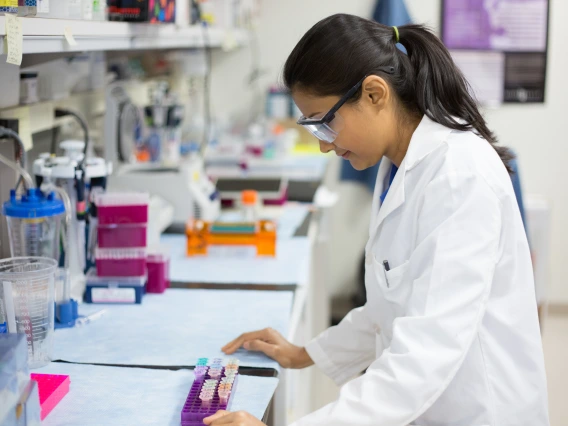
[[507, 45], [505, 25]]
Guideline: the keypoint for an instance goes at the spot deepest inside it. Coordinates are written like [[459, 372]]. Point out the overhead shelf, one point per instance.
[[42, 35]]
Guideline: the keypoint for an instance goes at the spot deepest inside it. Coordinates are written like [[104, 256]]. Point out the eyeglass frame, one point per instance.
[[330, 115]]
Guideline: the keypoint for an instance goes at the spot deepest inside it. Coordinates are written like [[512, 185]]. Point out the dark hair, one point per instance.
[[341, 49]]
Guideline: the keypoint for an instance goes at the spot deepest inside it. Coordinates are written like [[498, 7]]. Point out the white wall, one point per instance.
[[534, 131]]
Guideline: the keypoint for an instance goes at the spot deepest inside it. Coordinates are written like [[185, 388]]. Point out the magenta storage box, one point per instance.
[[197, 407], [122, 236], [122, 207], [122, 262], [158, 265]]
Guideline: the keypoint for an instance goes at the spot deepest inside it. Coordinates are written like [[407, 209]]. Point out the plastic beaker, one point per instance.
[[27, 294], [34, 223]]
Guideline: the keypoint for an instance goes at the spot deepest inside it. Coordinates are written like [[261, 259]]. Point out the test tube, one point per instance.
[[228, 380], [224, 397], [214, 372], [230, 373], [217, 360], [202, 361], [200, 371], [206, 400]]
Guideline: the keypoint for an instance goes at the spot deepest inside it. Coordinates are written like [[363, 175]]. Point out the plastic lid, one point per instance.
[[249, 197], [33, 204], [116, 199]]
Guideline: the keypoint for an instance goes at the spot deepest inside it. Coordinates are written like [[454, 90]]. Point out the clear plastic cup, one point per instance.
[[27, 293]]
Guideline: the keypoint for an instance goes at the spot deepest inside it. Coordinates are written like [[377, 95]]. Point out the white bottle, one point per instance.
[[99, 10], [74, 9]]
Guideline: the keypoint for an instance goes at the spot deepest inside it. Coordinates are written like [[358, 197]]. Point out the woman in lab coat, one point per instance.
[[449, 335]]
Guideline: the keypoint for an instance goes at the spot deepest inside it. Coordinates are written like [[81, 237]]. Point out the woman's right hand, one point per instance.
[[272, 344]]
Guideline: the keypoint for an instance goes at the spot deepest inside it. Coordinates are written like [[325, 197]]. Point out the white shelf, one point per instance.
[[42, 35]]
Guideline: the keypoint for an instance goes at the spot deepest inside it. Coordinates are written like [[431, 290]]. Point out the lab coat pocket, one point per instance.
[[394, 287]]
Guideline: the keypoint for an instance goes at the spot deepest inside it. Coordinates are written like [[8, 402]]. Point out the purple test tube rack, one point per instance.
[[194, 410]]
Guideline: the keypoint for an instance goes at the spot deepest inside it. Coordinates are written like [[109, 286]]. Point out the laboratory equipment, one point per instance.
[[142, 10], [28, 410], [28, 87], [114, 289], [21, 409], [121, 262], [122, 208], [28, 295], [122, 236], [158, 265], [14, 371], [123, 219], [245, 238], [249, 206], [80, 178], [34, 223], [272, 191], [208, 394], [52, 389], [27, 7], [180, 182]]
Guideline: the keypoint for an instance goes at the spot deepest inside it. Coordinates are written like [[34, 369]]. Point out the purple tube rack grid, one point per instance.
[[193, 413]]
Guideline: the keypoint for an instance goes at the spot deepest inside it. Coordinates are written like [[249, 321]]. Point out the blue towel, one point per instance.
[[388, 12]]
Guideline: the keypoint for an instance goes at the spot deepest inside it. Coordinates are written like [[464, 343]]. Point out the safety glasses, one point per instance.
[[327, 127]]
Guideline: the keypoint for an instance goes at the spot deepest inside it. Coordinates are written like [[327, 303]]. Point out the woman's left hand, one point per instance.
[[239, 418]]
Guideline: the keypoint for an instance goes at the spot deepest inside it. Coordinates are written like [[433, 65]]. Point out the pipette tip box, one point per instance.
[[122, 235], [197, 408], [120, 290], [52, 389], [122, 208], [122, 262]]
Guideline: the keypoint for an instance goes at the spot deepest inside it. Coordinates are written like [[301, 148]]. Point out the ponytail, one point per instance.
[[426, 79], [442, 90]]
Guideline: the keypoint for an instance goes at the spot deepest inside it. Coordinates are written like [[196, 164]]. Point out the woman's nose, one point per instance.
[[325, 147]]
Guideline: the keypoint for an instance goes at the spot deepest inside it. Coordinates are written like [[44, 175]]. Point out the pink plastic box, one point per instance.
[[122, 236], [122, 262]]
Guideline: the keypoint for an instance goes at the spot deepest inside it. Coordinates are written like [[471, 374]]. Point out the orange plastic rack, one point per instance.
[[201, 235]]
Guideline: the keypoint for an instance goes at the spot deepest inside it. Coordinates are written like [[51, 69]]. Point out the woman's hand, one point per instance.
[[240, 418], [272, 344]]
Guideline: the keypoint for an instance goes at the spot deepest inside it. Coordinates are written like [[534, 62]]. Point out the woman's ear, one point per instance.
[[376, 91]]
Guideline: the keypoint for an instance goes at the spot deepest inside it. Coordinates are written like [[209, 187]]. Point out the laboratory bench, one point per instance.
[[135, 360], [175, 329], [284, 272], [103, 395]]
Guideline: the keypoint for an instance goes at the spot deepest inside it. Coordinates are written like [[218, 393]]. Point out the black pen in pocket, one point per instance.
[[387, 268]]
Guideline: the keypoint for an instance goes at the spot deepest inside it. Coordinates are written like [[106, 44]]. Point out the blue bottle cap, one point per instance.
[[33, 204]]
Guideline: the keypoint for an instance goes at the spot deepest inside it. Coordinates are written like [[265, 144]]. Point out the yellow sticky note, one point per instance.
[[69, 36], [14, 39]]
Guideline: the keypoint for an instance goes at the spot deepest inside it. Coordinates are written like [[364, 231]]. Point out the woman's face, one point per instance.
[[364, 129]]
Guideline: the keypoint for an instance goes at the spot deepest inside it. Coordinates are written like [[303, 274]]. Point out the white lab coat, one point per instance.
[[450, 333]]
